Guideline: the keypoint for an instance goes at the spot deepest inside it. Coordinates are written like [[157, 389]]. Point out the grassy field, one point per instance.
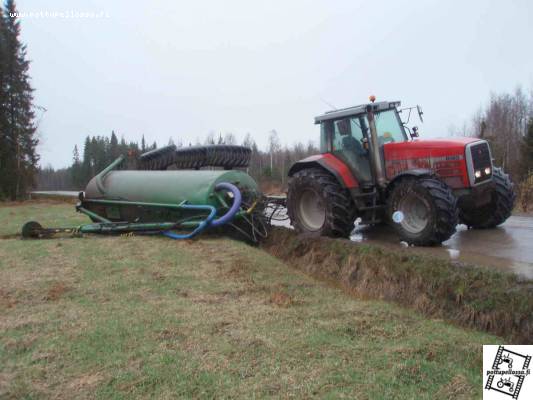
[[137, 317]]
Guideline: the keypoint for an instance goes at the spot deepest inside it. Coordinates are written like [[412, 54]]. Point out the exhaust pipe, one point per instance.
[[375, 162]]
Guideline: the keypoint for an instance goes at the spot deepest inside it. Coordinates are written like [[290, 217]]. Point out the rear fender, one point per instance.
[[331, 164]]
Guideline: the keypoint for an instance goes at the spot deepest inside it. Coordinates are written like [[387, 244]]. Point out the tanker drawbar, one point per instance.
[[179, 204]]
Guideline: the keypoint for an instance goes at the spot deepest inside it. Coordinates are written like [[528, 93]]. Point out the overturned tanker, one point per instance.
[[179, 204]]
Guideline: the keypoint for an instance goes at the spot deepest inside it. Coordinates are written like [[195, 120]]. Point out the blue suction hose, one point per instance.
[[210, 221], [237, 199]]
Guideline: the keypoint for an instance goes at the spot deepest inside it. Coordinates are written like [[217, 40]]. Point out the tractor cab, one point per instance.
[[346, 134]]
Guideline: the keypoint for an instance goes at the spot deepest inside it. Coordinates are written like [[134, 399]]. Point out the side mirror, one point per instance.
[[420, 113], [414, 132]]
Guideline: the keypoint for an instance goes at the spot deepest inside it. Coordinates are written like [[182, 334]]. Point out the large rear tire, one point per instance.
[[426, 211], [498, 210], [225, 156], [318, 205]]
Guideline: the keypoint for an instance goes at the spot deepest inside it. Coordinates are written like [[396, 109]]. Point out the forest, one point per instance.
[[269, 166]]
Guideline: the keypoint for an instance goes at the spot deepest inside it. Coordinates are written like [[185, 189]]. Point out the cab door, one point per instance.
[[348, 138]]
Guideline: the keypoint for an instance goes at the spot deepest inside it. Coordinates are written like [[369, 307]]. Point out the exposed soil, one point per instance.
[[56, 291]]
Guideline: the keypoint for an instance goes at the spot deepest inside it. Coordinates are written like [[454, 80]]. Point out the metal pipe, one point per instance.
[[99, 179], [125, 227], [92, 215], [134, 203], [376, 162], [201, 226]]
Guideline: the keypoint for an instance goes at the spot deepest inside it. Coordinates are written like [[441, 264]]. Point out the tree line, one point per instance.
[[506, 122], [18, 141], [269, 167], [98, 152]]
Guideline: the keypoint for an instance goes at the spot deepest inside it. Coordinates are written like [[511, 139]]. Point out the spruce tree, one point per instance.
[[86, 165], [19, 151], [114, 146], [76, 169], [4, 146]]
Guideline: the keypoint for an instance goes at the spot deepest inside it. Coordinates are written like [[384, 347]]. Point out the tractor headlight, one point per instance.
[[487, 171], [477, 174]]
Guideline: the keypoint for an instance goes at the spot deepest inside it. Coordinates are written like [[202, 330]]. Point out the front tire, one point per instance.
[[318, 205], [423, 211], [498, 210]]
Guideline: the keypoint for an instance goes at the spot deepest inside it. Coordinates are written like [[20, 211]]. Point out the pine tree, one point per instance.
[[19, 155], [143, 145]]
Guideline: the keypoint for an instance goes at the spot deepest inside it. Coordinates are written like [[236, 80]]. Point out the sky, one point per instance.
[[182, 69]]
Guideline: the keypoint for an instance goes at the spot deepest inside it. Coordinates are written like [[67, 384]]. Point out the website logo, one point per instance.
[[507, 372]]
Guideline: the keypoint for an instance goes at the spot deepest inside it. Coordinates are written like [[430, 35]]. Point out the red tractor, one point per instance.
[[369, 168]]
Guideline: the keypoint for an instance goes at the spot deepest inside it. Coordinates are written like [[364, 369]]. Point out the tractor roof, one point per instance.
[[355, 110]]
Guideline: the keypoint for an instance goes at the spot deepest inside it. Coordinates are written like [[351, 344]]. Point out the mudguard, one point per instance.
[[417, 172], [331, 164], [414, 172]]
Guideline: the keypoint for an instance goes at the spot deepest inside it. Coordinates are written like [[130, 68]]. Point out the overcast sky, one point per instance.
[[181, 69]]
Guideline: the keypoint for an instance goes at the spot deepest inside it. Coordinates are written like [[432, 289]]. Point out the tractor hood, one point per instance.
[[439, 145], [445, 157]]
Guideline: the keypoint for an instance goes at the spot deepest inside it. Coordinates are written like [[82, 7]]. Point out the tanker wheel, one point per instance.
[[318, 205], [498, 210], [423, 211]]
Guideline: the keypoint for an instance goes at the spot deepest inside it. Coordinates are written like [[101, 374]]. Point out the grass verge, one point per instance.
[[136, 317]]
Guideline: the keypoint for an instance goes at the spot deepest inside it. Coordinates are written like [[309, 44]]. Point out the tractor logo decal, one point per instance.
[[508, 372]]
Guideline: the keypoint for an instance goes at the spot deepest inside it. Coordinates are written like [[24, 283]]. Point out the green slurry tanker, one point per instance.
[[178, 203]]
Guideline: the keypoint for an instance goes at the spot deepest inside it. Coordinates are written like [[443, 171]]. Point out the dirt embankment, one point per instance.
[[496, 302]]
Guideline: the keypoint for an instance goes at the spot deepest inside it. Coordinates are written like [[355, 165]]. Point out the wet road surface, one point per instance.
[[508, 247]]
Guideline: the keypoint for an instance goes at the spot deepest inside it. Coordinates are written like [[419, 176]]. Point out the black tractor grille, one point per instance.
[[481, 161]]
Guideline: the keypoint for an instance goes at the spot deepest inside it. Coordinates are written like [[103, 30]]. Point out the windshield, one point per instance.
[[389, 127]]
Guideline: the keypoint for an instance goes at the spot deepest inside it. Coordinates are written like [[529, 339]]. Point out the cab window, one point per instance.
[[348, 134], [389, 128]]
